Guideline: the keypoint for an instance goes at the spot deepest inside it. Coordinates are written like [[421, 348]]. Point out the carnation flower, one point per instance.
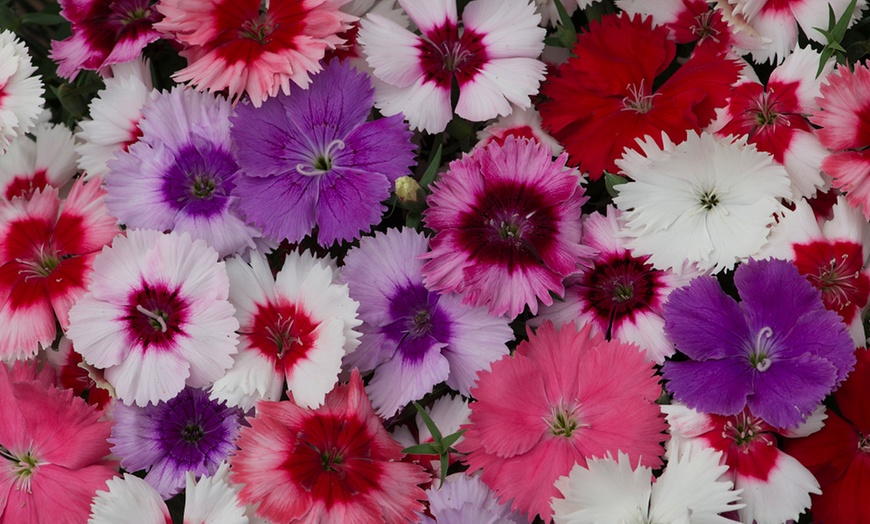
[[778, 351], [507, 227], [774, 487], [690, 489], [243, 47], [839, 454], [414, 338], [187, 433], [521, 123], [619, 294], [494, 60], [465, 498], [156, 316], [311, 159], [104, 32], [706, 201], [297, 325], [22, 91], [47, 247], [30, 164], [181, 174], [606, 97], [52, 449], [562, 398], [114, 117], [845, 109], [333, 464]]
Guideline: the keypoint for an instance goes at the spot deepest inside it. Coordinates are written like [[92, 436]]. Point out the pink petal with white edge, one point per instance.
[[850, 171], [149, 377], [391, 50], [425, 105], [430, 15]]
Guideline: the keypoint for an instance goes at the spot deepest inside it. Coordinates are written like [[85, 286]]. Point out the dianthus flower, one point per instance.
[[507, 227], [22, 90], [572, 396], [30, 164], [331, 465]]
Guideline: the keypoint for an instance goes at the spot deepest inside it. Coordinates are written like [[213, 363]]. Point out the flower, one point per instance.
[[774, 487], [521, 123], [507, 227], [181, 174], [311, 159], [187, 433], [47, 247], [114, 117], [448, 413], [104, 32], [690, 489], [845, 109], [156, 316], [563, 397], [414, 338], [494, 60], [706, 201], [777, 352], [213, 499], [620, 295], [839, 454], [330, 465], [297, 325], [52, 449], [604, 99], [465, 498], [130, 500], [49, 159], [773, 118], [21, 100], [236, 45]]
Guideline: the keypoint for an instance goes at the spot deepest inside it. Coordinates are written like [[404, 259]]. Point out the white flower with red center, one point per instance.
[[773, 117], [619, 294], [47, 247], [493, 57], [521, 123], [30, 164], [776, 487], [833, 255], [20, 91], [115, 114], [156, 316], [296, 326], [777, 21]]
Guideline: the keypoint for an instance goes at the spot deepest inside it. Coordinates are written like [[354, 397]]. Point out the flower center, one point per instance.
[[259, 29], [156, 315], [322, 161], [709, 200], [617, 288], [445, 54], [331, 461], [638, 99], [23, 467], [837, 280], [864, 444], [192, 433], [704, 28], [43, 262], [766, 111], [745, 429], [127, 12], [836, 269], [564, 421], [759, 357], [200, 180], [281, 331]]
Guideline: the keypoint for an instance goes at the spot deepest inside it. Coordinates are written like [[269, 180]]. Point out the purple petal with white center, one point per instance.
[[712, 386]]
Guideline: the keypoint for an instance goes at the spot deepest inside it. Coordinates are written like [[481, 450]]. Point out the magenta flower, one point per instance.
[[507, 227], [778, 351], [104, 32]]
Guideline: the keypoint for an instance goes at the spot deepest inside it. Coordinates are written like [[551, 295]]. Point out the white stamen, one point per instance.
[[153, 316]]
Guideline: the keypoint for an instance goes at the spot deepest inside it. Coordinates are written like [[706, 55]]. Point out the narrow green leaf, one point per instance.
[[433, 429], [565, 31], [445, 463], [450, 439], [611, 181], [432, 169], [42, 19], [421, 449], [839, 30]]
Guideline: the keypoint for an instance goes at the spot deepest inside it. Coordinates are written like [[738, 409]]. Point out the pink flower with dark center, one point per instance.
[[105, 32], [330, 465]]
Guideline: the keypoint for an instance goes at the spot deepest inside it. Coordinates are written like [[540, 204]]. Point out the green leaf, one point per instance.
[[42, 19], [839, 30], [433, 429], [421, 449], [449, 440], [565, 31], [611, 181], [445, 463], [413, 220], [432, 169]]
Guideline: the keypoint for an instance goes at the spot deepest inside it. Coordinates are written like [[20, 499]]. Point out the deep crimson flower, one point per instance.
[[604, 99]]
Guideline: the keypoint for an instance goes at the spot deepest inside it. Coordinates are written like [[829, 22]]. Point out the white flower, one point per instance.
[[213, 500], [21, 100], [707, 201], [130, 500], [689, 491]]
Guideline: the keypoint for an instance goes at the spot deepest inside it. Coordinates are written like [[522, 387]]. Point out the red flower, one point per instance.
[[604, 99]]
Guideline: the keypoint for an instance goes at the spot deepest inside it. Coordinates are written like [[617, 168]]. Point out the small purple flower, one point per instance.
[[187, 433], [181, 174], [412, 337], [778, 351], [310, 159]]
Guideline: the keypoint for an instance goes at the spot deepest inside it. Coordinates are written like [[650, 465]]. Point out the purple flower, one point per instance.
[[778, 351], [180, 175], [412, 337], [311, 159], [187, 433]]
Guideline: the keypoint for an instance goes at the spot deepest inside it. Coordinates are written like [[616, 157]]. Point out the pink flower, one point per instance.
[[564, 396], [507, 227], [52, 447], [334, 464], [234, 45], [47, 247], [104, 32]]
